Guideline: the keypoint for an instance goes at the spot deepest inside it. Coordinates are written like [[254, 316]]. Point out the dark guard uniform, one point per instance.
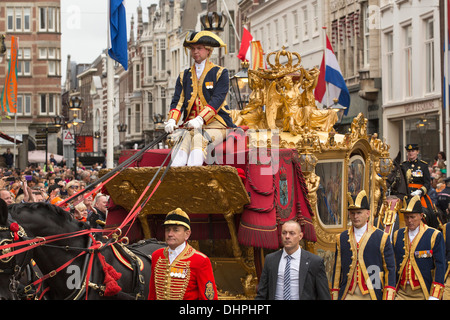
[[421, 263], [446, 231], [417, 176], [443, 199], [367, 265]]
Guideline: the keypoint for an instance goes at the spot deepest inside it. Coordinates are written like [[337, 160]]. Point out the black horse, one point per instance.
[[16, 271], [117, 271]]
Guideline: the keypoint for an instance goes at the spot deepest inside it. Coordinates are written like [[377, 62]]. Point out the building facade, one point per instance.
[[412, 89], [37, 25]]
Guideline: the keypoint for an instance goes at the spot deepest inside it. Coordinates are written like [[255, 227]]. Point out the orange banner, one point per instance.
[[257, 55], [9, 100]]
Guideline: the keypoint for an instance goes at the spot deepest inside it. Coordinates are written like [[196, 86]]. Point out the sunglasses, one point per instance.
[[74, 187]]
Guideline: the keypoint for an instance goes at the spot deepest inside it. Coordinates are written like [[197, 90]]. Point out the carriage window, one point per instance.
[[356, 175], [329, 193]]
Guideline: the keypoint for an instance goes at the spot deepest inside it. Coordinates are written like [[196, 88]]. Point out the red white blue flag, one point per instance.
[[331, 79]]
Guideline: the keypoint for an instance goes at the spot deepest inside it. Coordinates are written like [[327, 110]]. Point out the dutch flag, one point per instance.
[[330, 73]]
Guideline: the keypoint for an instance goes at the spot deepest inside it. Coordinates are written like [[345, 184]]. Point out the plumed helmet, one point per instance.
[[359, 201]]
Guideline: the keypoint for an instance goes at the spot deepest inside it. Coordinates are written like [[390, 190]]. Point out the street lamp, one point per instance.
[[240, 85], [75, 103], [76, 125], [57, 122], [340, 109], [122, 127], [213, 21]]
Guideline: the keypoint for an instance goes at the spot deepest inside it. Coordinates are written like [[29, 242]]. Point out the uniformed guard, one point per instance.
[[419, 181], [179, 272], [443, 198], [364, 266], [419, 255], [446, 231], [199, 101]]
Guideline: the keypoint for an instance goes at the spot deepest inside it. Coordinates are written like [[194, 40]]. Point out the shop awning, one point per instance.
[[9, 138]]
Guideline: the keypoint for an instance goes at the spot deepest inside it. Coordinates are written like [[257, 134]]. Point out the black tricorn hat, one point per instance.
[[359, 201], [412, 146], [178, 217], [206, 38], [411, 205]]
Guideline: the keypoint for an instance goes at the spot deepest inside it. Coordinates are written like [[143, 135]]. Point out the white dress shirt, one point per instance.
[[295, 271], [173, 254], [199, 67], [359, 232], [412, 234]]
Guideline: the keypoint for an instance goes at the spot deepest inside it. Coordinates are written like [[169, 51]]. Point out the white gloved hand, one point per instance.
[[170, 126], [195, 123], [418, 192]]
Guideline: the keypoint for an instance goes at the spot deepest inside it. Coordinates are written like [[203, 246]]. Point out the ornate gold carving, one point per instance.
[[212, 190], [278, 89]]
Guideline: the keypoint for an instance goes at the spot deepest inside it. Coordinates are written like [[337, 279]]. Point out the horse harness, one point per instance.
[[11, 265], [95, 247]]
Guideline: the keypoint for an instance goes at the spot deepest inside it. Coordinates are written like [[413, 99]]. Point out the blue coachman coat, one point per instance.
[[212, 90], [427, 257], [376, 262]]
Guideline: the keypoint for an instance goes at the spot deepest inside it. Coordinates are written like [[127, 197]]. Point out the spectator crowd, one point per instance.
[[53, 184]]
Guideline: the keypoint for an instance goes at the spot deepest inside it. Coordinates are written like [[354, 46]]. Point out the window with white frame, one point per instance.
[[48, 104], [429, 55], [161, 52], [49, 19], [42, 53], [137, 118], [366, 36], [296, 25], [315, 18], [163, 101], [231, 35], [149, 62], [305, 23], [24, 61], [24, 104], [150, 105], [18, 19], [285, 31], [390, 65], [277, 33], [137, 76], [407, 58], [129, 120]]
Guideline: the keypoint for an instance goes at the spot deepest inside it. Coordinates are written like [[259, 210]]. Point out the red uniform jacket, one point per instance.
[[189, 277]]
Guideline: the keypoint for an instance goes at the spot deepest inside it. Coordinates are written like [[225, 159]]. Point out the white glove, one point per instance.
[[170, 126], [195, 123], [418, 192]]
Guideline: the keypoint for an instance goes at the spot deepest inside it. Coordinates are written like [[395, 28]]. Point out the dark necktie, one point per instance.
[[287, 279]]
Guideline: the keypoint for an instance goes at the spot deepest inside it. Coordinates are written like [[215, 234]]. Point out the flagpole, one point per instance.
[[446, 73], [15, 122], [231, 21], [109, 99], [325, 61]]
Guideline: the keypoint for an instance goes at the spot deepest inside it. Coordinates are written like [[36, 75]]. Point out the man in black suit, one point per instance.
[[307, 278]]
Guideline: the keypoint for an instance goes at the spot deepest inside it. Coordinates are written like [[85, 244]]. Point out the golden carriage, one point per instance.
[[225, 201]]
